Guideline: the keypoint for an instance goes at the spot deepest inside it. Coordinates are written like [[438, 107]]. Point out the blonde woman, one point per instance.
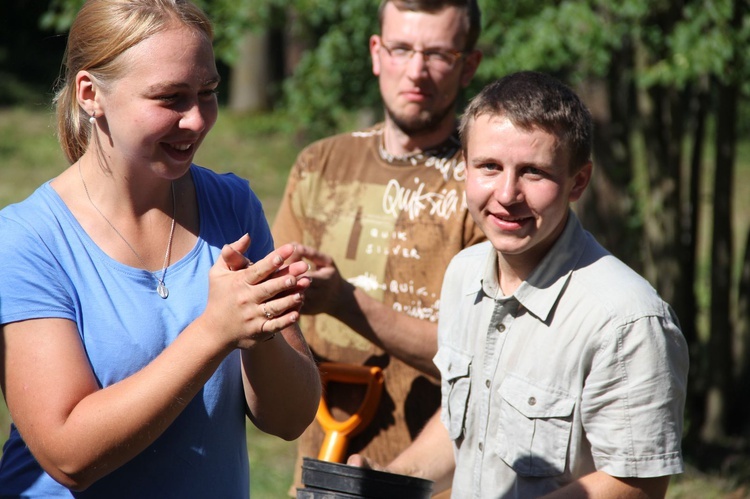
[[144, 311]]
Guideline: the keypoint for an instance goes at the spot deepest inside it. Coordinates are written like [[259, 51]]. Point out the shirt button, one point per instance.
[[481, 447], [501, 328], [487, 383], [532, 401]]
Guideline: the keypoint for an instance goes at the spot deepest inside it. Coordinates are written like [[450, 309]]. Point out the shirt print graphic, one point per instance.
[[387, 238]]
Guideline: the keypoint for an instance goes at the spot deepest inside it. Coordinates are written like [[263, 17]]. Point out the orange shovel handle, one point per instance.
[[338, 432]]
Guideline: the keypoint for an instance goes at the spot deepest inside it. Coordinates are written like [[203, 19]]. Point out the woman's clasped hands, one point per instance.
[[250, 302]]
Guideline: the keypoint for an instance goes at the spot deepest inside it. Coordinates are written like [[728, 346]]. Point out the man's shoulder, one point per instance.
[[598, 276], [618, 288], [344, 139], [329, 153]]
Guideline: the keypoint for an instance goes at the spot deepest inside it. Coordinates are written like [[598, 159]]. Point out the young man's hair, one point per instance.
[[473, 14], [532, 100]]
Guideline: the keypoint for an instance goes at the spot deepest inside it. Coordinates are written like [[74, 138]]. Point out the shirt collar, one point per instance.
[[542, 289]]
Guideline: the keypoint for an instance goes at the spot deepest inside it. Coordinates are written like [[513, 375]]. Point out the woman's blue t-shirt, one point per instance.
[[52, 269]]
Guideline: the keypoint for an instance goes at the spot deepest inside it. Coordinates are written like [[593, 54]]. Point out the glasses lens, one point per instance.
[[400, 54], [436, 59], [439, 58]]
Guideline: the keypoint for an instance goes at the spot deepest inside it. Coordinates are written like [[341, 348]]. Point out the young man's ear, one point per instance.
[[581, 181]]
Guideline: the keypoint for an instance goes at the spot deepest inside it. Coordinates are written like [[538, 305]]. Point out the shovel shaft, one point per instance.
[[337, 433], [334, 447]]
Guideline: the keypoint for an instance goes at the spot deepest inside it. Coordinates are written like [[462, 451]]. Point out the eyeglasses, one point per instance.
[[434, 58]]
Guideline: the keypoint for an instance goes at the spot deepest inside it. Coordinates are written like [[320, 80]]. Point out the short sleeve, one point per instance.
[[633, 400], [32, 284]]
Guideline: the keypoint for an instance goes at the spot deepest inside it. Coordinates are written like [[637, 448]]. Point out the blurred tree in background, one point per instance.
[[29, 56], [667, 83]]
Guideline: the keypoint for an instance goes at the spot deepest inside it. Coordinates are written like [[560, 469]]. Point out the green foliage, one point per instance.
[[676, 43], [541, 40], [60, 15], [231, 18], [702, 43], [334, 77]]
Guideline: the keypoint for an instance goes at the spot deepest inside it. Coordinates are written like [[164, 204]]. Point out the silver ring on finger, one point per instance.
[[266, 313]]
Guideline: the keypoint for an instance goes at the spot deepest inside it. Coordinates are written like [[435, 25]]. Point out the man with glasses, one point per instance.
[[379, 213]]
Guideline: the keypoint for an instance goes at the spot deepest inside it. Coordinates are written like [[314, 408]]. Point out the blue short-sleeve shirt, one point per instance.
[[53, 269]]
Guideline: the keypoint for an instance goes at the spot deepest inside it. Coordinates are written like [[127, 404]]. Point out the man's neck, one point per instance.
[[398, 143], [509, 278]]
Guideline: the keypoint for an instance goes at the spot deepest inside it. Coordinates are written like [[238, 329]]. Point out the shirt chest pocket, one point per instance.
[[534, 428], [455, 372]]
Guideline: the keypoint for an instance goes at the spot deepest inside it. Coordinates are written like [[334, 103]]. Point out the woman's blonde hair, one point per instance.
[[102, 30]]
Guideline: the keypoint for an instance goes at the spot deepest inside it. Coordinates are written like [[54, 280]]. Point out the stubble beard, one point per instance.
[[423, 123]]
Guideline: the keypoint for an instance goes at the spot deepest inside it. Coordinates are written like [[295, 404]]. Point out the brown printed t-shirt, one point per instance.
[[392, 226]]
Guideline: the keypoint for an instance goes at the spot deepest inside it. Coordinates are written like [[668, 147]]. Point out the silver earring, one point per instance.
[[92, 120]]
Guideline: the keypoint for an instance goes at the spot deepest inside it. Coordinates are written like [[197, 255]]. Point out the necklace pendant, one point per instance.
[[162, 290]]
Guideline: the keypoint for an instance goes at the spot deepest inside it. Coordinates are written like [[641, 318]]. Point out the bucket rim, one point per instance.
[[355, 472]]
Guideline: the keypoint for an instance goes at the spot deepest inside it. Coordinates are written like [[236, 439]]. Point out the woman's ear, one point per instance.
[[86, 93]]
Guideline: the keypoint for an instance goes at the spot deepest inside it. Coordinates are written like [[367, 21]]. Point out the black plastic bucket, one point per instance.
[[324, 480]]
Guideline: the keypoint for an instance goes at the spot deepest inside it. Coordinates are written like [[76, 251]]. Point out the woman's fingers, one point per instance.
[[250, 301], [272, 267], [266, 312], [280, 313], [281, 304], [233, 254], [277, 286]]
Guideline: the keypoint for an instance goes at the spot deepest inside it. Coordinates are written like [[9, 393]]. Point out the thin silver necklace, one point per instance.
[[161, 288]]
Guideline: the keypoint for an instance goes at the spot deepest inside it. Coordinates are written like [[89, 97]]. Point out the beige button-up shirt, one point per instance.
[[583, 368]]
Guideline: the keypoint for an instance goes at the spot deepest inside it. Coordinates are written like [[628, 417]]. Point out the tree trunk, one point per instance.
[[297, 40], [696, 402], [720, 340], [663, 135], [250, 76], [743, 335], [606, 209], [691, 209]]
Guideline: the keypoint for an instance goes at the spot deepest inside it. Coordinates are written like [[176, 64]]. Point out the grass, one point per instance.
[[260, 148]]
